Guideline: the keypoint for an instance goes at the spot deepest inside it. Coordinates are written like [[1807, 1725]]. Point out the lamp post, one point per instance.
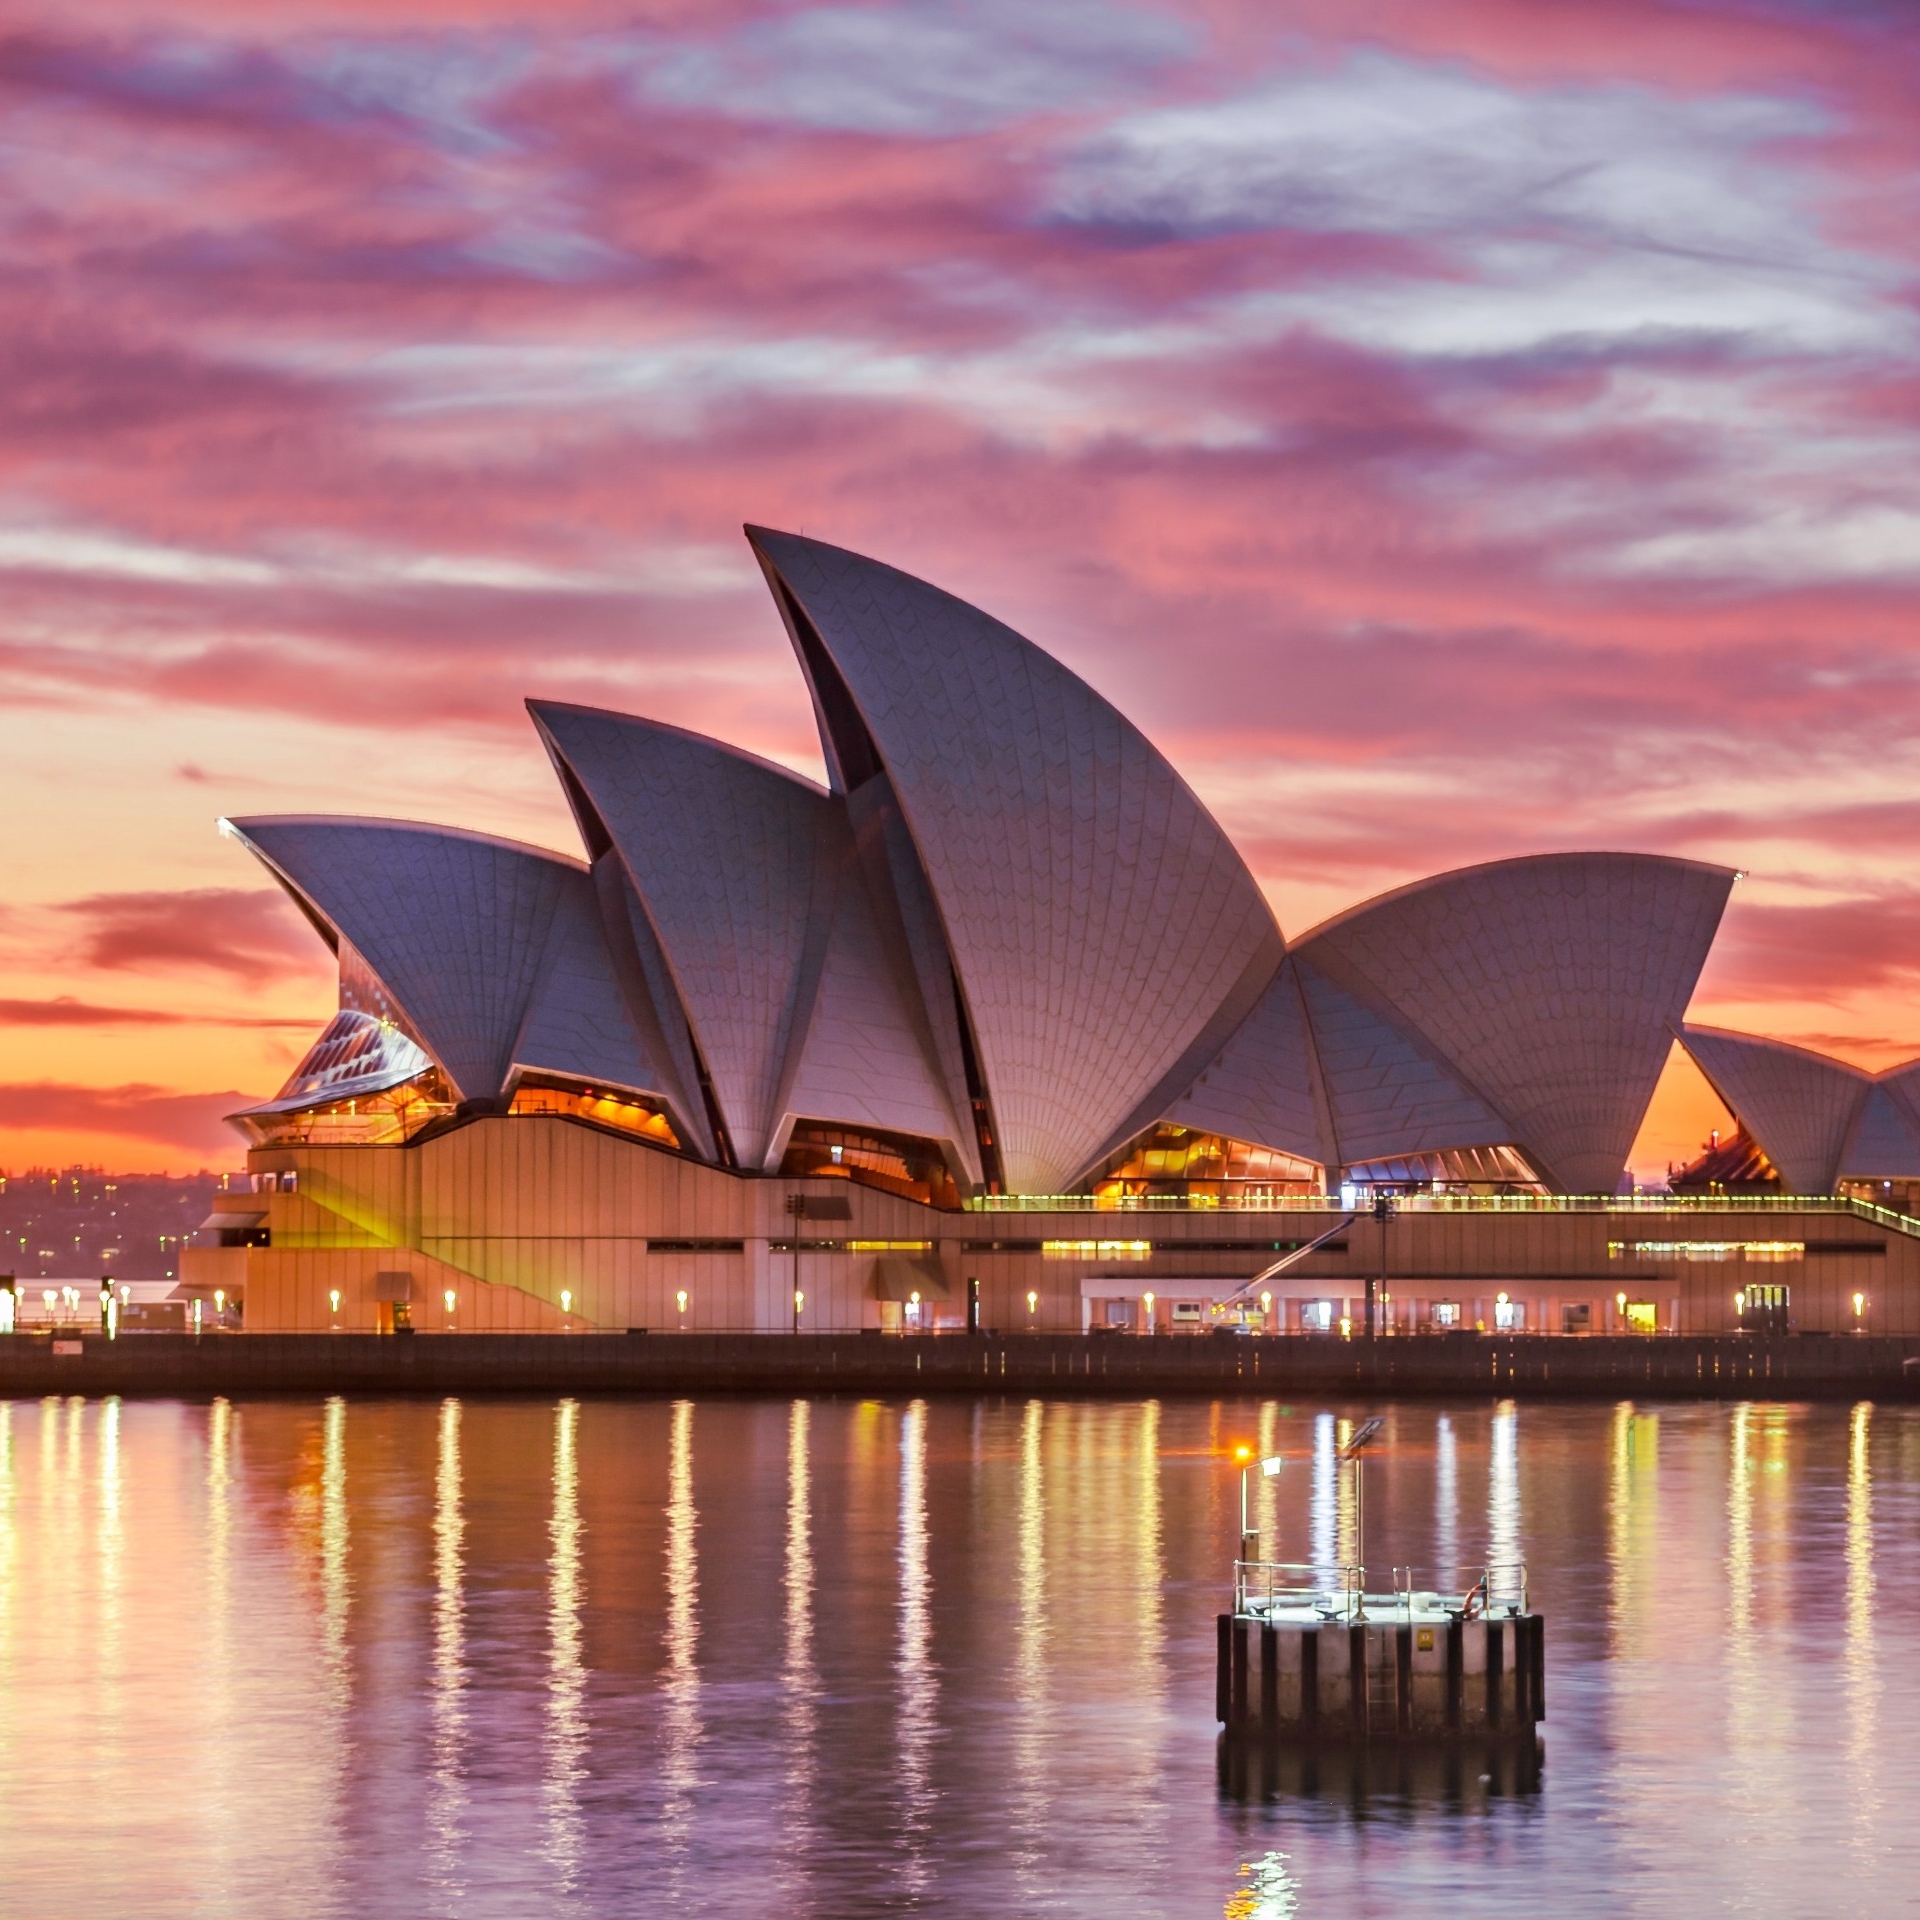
[[1271, 1465], [1147, 1300], [1383, 1212], [797, 1212]]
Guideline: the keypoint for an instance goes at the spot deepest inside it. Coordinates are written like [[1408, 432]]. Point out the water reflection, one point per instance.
[[732, 1658], [447, 1800], [799, 1678], [335, 1525], [566, 1671], [1863, 1678], [1031, 1692], [680, 1686], [1504, 1550], [1149, 1572], [914, 1674], [1446, 1504], [1267, 1891], [1324, 1512]]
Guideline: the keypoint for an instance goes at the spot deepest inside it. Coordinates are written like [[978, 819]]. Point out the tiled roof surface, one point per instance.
[[1800, 1105], [454, 924], [1552, 983], [1259, 1087], [1096, 914]]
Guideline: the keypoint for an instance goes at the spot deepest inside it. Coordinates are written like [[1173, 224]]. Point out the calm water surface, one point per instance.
[[836, 1658]]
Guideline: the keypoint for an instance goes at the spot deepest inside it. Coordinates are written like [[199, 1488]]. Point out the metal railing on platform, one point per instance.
[[1679, 1203], [1266, 1588]]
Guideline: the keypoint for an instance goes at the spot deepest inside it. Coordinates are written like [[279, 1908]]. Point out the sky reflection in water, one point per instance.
[[497, 1658]]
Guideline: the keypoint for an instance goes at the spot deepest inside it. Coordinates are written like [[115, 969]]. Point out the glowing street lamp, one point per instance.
[[1033, 1303], [1271, 1465], [333, 1301], [449, 1297], [680, 1301], [1147, 1301], [1859, 1310], [566, 1300], [799, 1305]]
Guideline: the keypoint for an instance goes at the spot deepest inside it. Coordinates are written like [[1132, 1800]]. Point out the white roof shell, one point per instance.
[[747, 876], [454, 924], [1818, 1119], [1097, 916], [1549, 985], [1798, 1104]]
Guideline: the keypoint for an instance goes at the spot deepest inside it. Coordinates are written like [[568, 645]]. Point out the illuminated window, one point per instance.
[[363, 1120], [1446, 1313], [1458, 1170], [623, 1112], [1699, 1251], [1316, 1316], [889, 1246], [897, 1163], [1642, 1316], [1201, 1166], [1096, 1249]]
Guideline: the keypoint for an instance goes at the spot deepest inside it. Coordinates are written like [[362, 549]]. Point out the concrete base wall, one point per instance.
[[1382, 1679], [531, 1223], [181, 1365]]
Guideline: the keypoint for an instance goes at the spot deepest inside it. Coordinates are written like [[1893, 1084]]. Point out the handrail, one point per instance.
[[1623, 1203], [1338, 1591]]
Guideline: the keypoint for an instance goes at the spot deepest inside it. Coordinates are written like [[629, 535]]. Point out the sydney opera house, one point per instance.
[[998, 1024]]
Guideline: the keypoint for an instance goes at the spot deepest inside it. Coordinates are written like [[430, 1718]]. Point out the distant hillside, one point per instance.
[[80, 1222]]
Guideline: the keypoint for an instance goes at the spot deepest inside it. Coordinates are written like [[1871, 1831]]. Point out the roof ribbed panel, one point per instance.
[[1260, 1085], [1882, 1144], [578, 1022], [1552, 981], [865, 1060], [735, 860], [1096, 914], [1800, 1105], [1387, 1093], [454, 924]]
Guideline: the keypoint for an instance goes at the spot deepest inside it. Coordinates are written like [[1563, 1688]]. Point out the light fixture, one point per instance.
[[1739, 1303], [680, 1300], [219, 1299], [333, 1298], [566, 1300], [1859, 1305], [1147, 1300], [1266, 1301], [799, 1302], [1620, 1301], [448, 1297], [1033, 1303]]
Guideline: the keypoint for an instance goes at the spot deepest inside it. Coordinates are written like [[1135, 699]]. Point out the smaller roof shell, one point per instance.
[[453, 924]]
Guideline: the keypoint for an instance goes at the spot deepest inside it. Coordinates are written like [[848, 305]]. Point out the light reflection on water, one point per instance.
[[835, 1658]]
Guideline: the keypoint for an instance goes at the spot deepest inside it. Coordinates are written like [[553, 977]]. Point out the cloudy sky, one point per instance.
[[1452, 428]]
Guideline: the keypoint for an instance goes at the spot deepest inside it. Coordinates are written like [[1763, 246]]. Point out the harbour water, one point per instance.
[[950, 1657]]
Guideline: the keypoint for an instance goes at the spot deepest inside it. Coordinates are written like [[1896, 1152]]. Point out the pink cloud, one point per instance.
[[379, 365], [242, 933], [135, 1112]]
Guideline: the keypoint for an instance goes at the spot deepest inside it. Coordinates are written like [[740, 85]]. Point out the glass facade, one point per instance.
[[1457, 1170], [629, 1113], [897, 1163], [1175, 1160], [386, 1118]]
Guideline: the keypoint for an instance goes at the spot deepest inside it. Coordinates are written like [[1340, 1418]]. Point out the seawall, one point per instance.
[[1791, 1367]]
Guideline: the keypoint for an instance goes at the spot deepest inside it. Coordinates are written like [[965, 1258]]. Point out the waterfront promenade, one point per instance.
[[1744, 1367]]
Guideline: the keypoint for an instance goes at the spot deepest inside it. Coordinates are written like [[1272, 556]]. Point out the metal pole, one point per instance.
[[1360, 1532]]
